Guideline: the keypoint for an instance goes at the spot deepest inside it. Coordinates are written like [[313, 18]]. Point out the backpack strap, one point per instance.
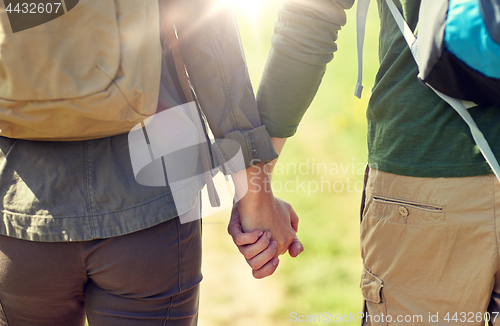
[[404, 28], [477, 135], [173, 42], [361, 16]]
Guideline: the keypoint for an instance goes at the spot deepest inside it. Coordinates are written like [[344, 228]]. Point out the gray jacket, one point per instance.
[[212, 51], [83, 190]]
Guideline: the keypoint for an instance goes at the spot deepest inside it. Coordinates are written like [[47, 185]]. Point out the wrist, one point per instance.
[[253, 184], [259, 182]]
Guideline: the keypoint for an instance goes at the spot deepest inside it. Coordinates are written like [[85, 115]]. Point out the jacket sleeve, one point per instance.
[[302, 44], [212, 52]]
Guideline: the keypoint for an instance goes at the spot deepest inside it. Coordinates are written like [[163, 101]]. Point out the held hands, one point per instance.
[[263, 226], [269, 213], [256, 246]]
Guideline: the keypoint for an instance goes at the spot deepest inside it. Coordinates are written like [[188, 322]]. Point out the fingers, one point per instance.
[[295, 248], [294, 220], [249, 239], [268, 269], [241, 238], [264, 257], [253, 249], [259, 248]]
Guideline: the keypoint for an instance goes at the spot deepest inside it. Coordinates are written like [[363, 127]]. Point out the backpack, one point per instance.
[[78, 69], [457, 51]]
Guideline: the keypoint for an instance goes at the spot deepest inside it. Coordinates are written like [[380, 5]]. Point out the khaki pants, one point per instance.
[[430, 249]]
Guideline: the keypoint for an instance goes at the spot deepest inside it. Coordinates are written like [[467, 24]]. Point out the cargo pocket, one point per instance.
[[374, 309]]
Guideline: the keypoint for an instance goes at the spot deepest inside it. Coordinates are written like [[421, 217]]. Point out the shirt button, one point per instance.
[[403, 211]]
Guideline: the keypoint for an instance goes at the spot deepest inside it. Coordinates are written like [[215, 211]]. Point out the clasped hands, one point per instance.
[[263, 226]]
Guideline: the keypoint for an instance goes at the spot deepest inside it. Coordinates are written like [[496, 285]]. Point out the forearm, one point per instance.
[[253, 186], [302, 45], [258, 210]]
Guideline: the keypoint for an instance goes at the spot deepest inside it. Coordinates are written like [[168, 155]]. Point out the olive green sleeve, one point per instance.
[[302, 44]]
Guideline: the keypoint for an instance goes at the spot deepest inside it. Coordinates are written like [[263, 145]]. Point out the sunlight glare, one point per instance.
[[249, 7]]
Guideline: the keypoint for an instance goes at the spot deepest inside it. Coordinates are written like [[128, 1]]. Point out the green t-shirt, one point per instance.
[[411, 131]]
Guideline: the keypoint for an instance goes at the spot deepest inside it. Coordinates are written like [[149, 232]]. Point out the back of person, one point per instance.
[[435, 192], [79, 236], [429, 229]]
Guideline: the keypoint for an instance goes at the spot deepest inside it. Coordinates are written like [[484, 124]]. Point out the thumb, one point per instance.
[[295, 248]]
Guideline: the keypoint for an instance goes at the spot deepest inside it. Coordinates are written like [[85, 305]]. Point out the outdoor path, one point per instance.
[[230, 296]]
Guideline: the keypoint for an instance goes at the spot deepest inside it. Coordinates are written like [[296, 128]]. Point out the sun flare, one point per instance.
[[249, 7]]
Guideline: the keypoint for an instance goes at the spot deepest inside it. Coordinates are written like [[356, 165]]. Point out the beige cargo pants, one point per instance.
[[430, 248]]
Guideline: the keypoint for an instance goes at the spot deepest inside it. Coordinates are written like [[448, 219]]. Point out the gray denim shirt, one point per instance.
[[75, 191]]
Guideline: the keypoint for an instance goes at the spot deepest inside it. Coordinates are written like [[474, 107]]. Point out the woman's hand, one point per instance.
[[256, 246]]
